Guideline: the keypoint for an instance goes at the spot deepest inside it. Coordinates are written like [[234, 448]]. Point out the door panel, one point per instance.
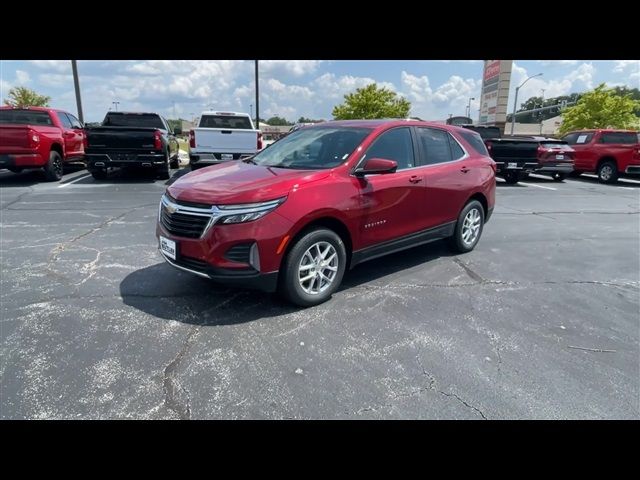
[[391, 204]]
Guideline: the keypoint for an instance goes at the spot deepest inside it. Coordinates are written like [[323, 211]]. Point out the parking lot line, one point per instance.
[[74, 181], [539, 186]]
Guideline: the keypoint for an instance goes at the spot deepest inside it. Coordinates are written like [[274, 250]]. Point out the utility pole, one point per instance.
[[541, 106], [76, 85], [257, 99], [116, 105], [515, 102]]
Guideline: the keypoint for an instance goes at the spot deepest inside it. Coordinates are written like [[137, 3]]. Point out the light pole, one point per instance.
[[469, 107], [76, 85], [541, 106], [116, 105], [515, 102]]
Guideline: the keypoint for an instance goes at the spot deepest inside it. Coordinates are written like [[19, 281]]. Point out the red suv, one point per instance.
[[295, 216]]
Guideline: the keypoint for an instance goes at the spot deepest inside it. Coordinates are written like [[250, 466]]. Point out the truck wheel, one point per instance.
[[164, 171], [53, 168], [313, 268], [100, 174], [559, 176], [511, 178], [468, 228], [608, 172]]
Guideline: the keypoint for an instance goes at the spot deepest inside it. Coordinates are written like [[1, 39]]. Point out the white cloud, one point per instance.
[[55, 79], [22, 77], [621, 65], [419, 88], [548, 63], [56, 65], [297, 68]]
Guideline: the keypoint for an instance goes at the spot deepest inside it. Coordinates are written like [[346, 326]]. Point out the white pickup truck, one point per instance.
[[222, 136]]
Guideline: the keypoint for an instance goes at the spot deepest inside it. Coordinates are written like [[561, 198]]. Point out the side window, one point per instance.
[[395, 145], [456, 150], [435, 145], [64, 120], [619, 137], [475, 140], [571, 138], [75, 123]]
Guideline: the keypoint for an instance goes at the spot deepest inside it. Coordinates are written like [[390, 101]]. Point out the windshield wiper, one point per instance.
[[249, 160]]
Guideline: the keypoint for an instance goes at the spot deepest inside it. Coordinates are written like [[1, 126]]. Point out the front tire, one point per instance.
[[468, 228], [53, 169], [313, 268], [608, 172]]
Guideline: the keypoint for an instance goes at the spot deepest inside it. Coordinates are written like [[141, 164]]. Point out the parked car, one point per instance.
[[608, 153], [515, 157], [325, 198], [223, 136], [39, 137], [132, 139], [555, 157]]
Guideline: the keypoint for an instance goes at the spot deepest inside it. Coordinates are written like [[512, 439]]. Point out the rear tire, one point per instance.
[[305, 279], [53, 169], [164, 170], [15, 169], [175, 163], [468, 228], [608, 172], [511, 178], [100, 174], [558, 176]]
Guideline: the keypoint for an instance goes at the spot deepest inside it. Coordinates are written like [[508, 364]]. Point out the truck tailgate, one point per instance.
[[14, 136], [221, 140], [513, 150], [120, 138]]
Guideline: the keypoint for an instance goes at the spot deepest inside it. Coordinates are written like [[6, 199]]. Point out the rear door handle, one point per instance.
[[415, 179], [464, 169]]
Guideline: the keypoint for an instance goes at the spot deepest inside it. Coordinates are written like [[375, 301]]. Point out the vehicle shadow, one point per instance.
[[129, 175], [165, 292], [594, 181], [28, 178]]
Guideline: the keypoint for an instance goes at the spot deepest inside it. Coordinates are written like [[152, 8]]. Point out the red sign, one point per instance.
[[492, 69]]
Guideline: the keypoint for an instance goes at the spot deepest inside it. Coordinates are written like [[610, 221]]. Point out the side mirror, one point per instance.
[[377, 165], [177, 131]]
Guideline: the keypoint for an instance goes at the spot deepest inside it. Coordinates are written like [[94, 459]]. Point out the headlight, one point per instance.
[[247, 212]]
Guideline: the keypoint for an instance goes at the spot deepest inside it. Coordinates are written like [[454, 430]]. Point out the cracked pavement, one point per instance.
[[93, 324]]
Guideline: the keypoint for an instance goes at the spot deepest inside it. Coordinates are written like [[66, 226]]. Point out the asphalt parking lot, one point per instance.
[[541, 321]]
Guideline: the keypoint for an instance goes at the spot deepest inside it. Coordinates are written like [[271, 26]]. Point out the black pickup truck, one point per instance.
[[127, 139], [515, 157]]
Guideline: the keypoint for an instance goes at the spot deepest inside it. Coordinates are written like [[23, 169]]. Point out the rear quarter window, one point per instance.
[[476, 142]]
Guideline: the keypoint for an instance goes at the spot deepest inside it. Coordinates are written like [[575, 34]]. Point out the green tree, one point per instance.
[[308, 120], [600, 108], [25, 97], [372, 102], [276, 121]]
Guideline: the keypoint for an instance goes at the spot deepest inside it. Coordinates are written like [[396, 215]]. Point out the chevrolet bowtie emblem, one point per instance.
[[171, 209]]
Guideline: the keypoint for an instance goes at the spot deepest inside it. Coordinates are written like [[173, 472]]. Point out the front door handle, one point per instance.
[[464, 169], [415, 179]]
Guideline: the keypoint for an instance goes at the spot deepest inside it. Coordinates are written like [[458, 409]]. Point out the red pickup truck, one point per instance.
[[608, 153], [39, 137]]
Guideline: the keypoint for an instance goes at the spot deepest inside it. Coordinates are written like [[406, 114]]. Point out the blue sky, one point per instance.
[[291, 88]]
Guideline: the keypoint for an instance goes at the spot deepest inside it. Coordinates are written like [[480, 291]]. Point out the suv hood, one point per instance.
[[240, 182]]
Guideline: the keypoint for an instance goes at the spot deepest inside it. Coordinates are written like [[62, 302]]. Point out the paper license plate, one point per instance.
[[559, 157], [226, 156], [168, 247]]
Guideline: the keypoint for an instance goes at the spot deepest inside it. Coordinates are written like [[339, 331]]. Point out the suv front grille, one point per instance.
[[183, 224]]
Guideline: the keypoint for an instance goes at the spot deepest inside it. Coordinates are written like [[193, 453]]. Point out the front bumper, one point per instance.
[[632, 170], [266, 282], [22, 160], [109, 160]]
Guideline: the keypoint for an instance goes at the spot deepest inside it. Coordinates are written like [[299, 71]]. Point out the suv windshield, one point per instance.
[[312, 148]]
